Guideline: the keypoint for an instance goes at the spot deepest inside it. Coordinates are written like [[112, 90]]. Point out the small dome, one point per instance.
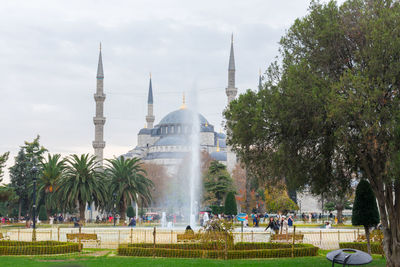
[[219, 155], [145, 131], [182, 116], [222, 143]]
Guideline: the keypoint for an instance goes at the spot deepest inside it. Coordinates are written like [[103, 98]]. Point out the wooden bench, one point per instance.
[[4, 237], [84, 238], [287, 238], [374, 236]]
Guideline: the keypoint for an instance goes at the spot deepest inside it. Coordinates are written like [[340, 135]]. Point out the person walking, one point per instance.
[[290, 221], [272, 226]]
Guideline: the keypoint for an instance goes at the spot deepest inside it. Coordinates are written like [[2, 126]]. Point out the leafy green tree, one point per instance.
[[49, 179], [42, 213], [128, 181], [20, 180], [8, 201], [130, 212], [330, 109], [365, 210], [230, 204], [83, 183], [217, 183], [277, 199], [3, 160], [30, 154]]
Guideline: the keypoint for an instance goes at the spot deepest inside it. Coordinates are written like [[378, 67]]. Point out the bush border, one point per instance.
[[38, 248]]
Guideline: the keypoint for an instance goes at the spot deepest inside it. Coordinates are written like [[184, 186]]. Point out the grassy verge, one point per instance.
[[100, 261]]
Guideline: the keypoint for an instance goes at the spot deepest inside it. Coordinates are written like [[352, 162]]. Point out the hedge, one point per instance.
[[186, 246], [376, 248], [216, 245], [37, 248], [275, 251]]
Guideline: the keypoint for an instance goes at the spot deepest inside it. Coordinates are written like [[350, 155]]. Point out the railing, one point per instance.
[[112, 237]]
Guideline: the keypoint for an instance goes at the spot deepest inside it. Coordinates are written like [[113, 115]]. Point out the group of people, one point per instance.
[[279, 224]]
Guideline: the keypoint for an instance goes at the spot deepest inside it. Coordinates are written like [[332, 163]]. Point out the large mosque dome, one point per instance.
[[182, 116]]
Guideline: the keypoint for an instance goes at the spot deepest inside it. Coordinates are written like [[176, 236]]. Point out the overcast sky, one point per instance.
[[49, 52]]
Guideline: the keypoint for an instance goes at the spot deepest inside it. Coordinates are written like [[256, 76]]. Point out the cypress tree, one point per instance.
[[230, 204], [42, 213], [130, 212], [365, 210]]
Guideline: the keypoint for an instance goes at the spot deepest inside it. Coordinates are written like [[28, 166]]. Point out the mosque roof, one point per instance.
[[172, 140], [145, 131], [219, 155], [166, 155], [182, 116]]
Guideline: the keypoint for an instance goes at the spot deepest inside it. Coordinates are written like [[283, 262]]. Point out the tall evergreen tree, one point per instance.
[[365, 210], [20, 180], [217, 183], [3, 160]]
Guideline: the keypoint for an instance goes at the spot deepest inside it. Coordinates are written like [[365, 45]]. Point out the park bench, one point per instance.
[[287, 238], [4, 237], [375, 236], [84, 238]]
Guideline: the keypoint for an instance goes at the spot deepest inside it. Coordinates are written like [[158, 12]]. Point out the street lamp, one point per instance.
[[34, 173], [115, 206]]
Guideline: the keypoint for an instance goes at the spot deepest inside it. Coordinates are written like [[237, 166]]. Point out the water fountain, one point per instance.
[[194, 176], [164, 220]]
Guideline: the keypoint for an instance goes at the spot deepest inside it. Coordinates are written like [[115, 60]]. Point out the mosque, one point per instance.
[[167, 143]]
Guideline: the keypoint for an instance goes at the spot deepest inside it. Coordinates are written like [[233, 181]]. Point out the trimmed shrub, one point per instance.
[[130, 212], [42, 213], [37, 248], [376, 248], [230, 204]]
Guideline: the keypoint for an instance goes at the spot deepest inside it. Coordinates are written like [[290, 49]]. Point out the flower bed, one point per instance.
[[37, 248], [215, 250]]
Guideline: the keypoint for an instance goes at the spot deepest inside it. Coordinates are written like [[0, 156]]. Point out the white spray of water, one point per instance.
[[194, 177]]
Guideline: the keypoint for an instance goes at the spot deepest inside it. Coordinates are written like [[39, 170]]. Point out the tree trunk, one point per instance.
[[82, 206], [368, 241], [248, 192], [339, 214], [19, 209], [391, 227], [122, 212]]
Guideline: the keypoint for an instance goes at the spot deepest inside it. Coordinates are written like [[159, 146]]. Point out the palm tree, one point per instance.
[[83, 183], [128, 182], [51, 174]]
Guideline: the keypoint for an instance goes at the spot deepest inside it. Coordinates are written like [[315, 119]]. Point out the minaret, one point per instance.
[[99, 119], [259, 81], [150, 117], [231, 90]]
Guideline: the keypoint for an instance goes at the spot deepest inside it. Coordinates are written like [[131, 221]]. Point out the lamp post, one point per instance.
[[34, 173], [115, 206]]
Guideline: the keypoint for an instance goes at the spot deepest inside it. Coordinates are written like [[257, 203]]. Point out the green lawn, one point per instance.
[[107, 260]]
